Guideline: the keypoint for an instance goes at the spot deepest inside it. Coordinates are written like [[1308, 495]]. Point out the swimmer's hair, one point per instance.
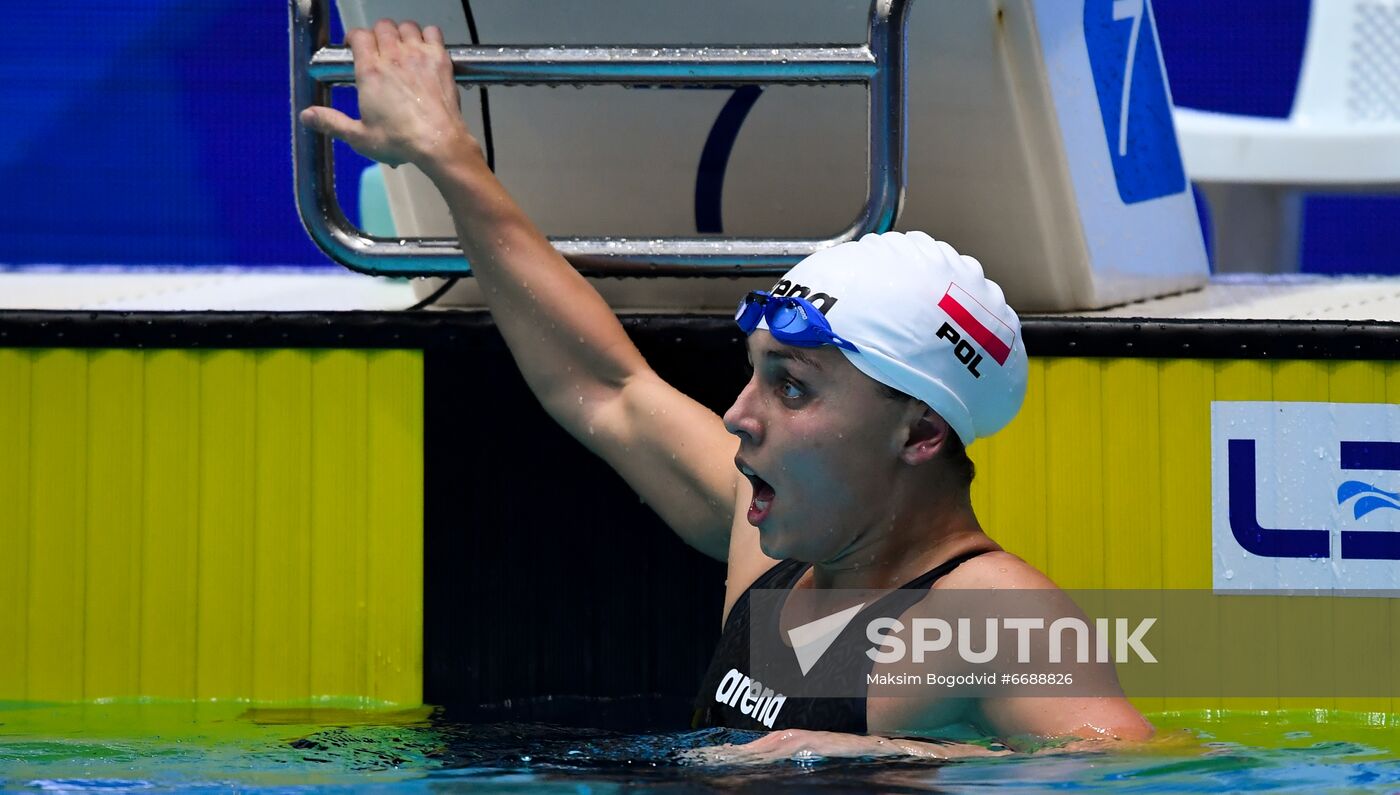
[[954, 451]]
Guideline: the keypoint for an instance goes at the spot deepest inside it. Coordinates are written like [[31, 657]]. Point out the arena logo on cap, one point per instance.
[[788, 289], [977, 322]]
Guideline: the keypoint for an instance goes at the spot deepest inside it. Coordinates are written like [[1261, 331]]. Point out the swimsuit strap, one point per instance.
[[928, 578], [783, 574]]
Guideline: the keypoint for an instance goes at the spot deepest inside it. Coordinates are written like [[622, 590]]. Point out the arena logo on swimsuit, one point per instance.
[[750, 697]]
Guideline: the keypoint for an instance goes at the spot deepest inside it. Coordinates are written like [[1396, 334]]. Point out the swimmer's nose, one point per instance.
[[740, 419]]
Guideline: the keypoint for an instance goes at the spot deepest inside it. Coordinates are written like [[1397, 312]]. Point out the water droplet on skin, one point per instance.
[[580, 400], [1002, 570], [590, 430]]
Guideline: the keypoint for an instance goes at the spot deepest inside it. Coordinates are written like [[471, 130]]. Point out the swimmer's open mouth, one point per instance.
[[763, 493]]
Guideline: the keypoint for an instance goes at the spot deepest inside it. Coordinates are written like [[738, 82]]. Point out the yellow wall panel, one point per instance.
[[1132, 452], [57, 524], [248, 524], [211, 524], [1074, 472], [226, 556], [1185, 388], [115, 518], [339, 520], [1012, 505], [171, 545], [282, 566], [395, 605], [1131, 442], [15, 459]]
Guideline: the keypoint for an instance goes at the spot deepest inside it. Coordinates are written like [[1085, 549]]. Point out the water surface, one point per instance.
[[165, 747]]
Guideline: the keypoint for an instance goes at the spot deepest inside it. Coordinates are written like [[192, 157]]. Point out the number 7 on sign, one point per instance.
[[1127, 9]]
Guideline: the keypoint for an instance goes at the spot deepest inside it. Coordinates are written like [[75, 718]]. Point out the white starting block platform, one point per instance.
[[1236, 296], [235, 290]]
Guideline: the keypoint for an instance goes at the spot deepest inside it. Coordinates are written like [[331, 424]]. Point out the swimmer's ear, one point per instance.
[[926, 434]]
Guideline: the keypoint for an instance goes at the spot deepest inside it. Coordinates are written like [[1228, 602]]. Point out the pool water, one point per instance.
[[155, 747]]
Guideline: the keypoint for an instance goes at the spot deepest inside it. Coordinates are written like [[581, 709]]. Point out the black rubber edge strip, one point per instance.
[[714, 159], [1053, 337]]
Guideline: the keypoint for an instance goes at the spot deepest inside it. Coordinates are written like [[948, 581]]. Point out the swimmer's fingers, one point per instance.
[[337, 125], [410, 33], [797, 745], [429, 46], [332, 122], [386, 35], [362, 46], [431, 43]]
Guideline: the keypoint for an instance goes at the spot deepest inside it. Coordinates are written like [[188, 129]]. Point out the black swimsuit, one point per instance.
[[823, 714]]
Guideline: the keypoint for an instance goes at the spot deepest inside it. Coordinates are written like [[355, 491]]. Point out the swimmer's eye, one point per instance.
[[791, 390]]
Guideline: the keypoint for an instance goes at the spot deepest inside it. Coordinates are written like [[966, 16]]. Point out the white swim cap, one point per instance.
[[926, 321]]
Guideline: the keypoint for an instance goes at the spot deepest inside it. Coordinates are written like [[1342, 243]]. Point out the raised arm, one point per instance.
[[572, 350]]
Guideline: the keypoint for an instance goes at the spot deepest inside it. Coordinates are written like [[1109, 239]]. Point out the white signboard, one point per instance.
[[1305, 497], [1114, 108]]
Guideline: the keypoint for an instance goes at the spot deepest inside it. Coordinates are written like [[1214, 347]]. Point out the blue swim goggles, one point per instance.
[[792, 321]]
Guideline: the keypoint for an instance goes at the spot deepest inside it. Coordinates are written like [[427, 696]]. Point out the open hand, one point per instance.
[[802, 745], [409, 111]]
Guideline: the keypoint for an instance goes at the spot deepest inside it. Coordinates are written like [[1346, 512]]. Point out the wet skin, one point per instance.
[[848, 465]]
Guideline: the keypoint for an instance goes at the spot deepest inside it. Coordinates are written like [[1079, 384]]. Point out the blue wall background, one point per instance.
[[124, 142]]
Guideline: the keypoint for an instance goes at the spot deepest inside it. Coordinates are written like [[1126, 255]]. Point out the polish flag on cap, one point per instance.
[[977, 322]]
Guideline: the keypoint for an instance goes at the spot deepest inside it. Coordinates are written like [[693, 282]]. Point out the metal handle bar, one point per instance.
[[879, 64]]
